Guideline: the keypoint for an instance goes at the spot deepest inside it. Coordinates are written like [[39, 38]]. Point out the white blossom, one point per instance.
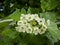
[[42, 31], [31, 23], [41, 21], [29, 17], [22, 17], [20, 22], [48, 22], [44, 26], [22, 29], [29, 30], [35, 30]]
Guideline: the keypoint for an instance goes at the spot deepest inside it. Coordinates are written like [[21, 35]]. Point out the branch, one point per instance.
[[6, 20], [57, 22]]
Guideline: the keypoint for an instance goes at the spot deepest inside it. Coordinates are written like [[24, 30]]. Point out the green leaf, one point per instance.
[[15, 15], [5, 41], [52, 39], [59, 28], [33, 10], [29, 10], [23, 11], [3, 24], [49, 15], [9, 33], [53, 30], [48, 4]]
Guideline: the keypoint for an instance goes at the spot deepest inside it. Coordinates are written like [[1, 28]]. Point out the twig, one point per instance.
[[6, 20], [57, 23]]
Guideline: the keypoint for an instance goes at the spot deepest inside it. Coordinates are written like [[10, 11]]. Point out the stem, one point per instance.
[[57, 22], [6, 20]]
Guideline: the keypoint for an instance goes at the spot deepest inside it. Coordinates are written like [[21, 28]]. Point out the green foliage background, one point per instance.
[[49, 9]]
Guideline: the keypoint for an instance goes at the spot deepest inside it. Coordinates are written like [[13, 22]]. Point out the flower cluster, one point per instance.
[[31, 23]]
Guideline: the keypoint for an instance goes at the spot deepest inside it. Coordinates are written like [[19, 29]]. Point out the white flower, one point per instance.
[[20, 22], [22, 17], [25, 22], [17, 29], [29, 30], [37, 19], [41, 21], [29, 18], [36, 16], [28, 25], [36, 30], [44, 26], [42, 31], [48, 22], [31, 23], [22, 28]]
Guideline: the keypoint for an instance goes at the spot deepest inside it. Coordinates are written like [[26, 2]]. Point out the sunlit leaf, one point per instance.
[[23, 11], [3, 24], [48, 4], [15, 15], [49, 15], [53, 30], [9, 33]]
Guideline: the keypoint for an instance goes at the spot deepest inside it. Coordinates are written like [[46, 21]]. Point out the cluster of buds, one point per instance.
[[31, 23]]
